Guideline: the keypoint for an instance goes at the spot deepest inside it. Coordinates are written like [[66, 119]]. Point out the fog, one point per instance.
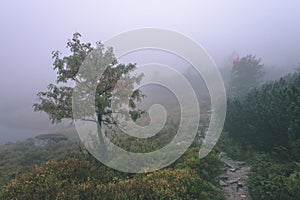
[[31, 30]]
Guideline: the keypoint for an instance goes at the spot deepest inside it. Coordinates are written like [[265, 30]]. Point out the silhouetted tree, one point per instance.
[[246, 74]]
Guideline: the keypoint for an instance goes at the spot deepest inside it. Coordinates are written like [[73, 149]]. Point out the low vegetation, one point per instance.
[[68, 171], [264, 128]]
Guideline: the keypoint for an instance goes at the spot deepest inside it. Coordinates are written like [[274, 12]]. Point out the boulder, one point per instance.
[[49, 139]]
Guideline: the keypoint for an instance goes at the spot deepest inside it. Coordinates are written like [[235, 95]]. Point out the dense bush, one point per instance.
[[21, 157], [56, 180], [268, 117], [210, 165], [264, 127], [79, 179], [271, 180], [164, 184]]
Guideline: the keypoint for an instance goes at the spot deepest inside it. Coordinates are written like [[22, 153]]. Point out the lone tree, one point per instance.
[[246, 74], [57, 101]]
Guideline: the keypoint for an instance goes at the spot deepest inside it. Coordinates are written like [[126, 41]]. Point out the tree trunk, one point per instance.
[[101, 138]]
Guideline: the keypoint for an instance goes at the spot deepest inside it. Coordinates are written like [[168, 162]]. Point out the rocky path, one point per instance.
[[234, 181]]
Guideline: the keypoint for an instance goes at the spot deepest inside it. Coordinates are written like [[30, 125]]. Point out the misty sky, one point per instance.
[[32, 29]]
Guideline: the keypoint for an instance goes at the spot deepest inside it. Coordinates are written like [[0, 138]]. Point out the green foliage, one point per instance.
[[68, 171], [21, 157], [79, 178], [57, 101], [74, 179], [190, 159], [268, 118], [293, 185], [164, 184], [143, 145], [271, 180], [55, 180], [245, 75], [234, 149]]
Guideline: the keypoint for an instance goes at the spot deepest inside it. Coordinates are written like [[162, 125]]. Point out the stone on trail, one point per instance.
[[232, 181], [232, 169], [222, 183]]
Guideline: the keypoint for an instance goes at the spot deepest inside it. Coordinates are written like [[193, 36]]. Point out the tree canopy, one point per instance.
[[57, 100], [246, 74]]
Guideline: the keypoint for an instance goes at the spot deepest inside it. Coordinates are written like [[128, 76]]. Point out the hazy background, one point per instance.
[[31, 30]]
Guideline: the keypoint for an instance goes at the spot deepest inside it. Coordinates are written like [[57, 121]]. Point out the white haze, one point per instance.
[[32, 29]]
